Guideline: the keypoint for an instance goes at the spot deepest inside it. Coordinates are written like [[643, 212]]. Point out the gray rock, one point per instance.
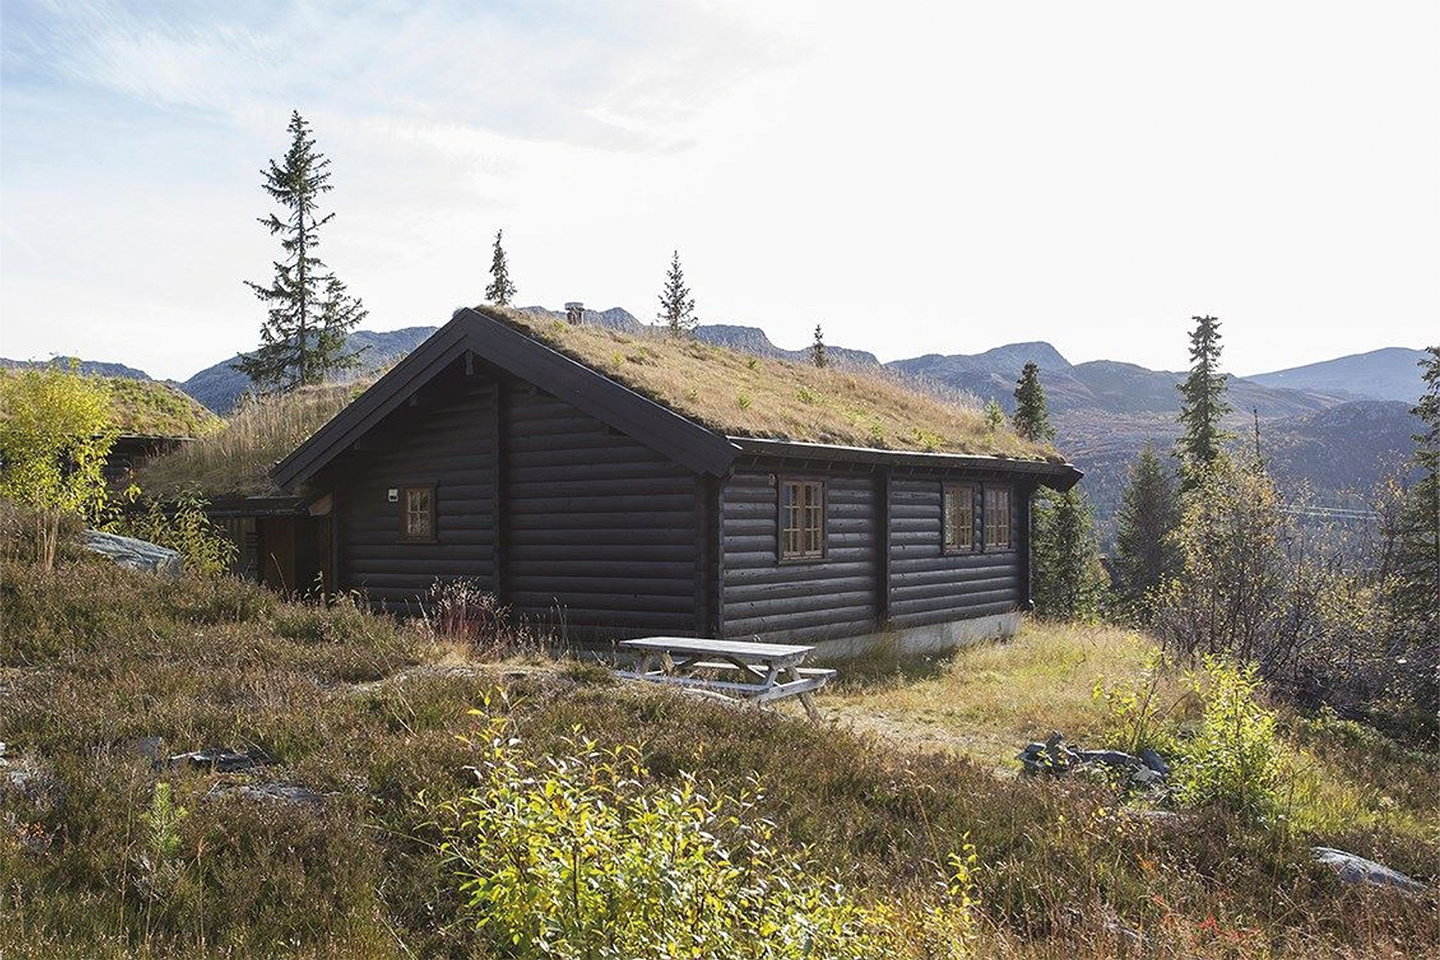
[[221, 761], [1111, 758], [1146, 777], [136, 554], [1154, 761], [1355, 869], [283, 793]]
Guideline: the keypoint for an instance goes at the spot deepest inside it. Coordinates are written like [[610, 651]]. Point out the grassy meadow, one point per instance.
[[379, 720]]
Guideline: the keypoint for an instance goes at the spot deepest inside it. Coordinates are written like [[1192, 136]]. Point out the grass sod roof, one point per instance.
[[726, 390], [741, 394], [236, 459], [149, 408]]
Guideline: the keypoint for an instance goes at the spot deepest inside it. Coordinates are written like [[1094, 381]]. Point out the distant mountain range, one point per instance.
[[1337, 426], [1388, 374]]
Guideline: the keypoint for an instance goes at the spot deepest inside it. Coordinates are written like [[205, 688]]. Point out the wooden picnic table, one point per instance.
[[754, 671]]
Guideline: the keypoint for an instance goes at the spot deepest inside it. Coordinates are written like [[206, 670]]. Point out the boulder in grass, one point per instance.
[[136, 554], [1355, 869]]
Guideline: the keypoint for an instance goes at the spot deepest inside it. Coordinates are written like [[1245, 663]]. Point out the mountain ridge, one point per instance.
[[1320, 431]]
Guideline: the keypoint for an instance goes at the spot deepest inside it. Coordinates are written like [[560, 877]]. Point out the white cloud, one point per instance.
[[939, 177]]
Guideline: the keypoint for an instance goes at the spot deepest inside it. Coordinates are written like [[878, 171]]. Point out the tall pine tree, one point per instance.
[[817, 349], [310, 313], [501, 291], [1031, 417], [1203, 406], [677, 307], [1145, 552], [1069, 580]]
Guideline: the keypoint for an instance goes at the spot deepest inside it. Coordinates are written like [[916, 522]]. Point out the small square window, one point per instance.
[[417, 513], [802, 520], [959, 518], [997, 518]]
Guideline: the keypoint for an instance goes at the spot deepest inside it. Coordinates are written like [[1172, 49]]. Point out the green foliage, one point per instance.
[[1228, 595], [501, 290], [56, 429], [577, 856], [994, 415], [1149, 513], [185, 527], [743, 401], [1203, 405], [148, 407], [1069, 581], [1031, 417], [1235, 758], [817, 349], [677, 307], [310, 312], [1135, 715]]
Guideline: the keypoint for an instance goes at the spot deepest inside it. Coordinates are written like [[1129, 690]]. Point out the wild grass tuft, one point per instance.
[[236, 460]]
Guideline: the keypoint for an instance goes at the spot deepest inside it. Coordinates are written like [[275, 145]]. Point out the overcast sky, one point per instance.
[[940, 177]]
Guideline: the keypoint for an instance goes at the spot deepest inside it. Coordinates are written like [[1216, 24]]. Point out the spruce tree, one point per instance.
[[1149, 514], [1068, 578], [994, 415], [501, 291], [677, 307], [1031, 418], [817, 349], [310, 313], [1416, 595], [1204, 406]]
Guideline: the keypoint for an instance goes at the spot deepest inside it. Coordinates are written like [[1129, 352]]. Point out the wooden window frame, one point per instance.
[[965, 490], [824, 506], [405, 491], [1009, 492]]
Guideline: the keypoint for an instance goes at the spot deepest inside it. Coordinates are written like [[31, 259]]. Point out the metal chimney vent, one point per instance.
[[575, 311]]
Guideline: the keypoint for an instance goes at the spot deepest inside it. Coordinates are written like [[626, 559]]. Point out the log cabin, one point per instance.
[[608, 485]]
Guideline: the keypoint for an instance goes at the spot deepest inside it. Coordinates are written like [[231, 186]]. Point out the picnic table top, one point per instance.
[[744, 649]]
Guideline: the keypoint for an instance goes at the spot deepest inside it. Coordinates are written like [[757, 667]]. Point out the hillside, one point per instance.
[[202, 769], [1388, 374], [100, 367]]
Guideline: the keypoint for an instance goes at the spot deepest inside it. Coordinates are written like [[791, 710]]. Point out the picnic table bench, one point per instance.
[[754, 671]]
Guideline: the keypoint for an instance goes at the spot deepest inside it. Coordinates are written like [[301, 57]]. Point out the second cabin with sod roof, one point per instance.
[[610, 485]]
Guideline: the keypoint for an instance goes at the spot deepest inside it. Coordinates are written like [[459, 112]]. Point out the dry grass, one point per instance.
[[744, 395], [368, 713], [236, 460], [988, 701]]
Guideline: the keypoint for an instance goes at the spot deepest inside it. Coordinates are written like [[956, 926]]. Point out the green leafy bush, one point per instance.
[[185, 528], [582, 855], [1235, 758], [1137, 714]]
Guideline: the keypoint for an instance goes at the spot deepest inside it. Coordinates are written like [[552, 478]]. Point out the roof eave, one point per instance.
[[1057, 475]]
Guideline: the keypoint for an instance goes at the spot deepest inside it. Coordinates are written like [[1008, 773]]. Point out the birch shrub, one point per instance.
[[1235, 758], [581, 855]]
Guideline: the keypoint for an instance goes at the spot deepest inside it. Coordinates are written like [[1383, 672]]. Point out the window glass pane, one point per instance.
[[419, 518], [959, 517], [802, 519], [997, 519]]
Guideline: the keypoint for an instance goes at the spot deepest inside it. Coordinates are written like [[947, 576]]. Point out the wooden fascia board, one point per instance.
[[682, 440], [1059, 476]]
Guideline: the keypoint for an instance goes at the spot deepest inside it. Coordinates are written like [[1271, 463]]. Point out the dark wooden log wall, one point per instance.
[[600, 535], [803, 601], [929, 586], [447, 439]]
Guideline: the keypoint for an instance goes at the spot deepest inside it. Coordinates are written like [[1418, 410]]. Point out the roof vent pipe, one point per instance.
[[574, 311]]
